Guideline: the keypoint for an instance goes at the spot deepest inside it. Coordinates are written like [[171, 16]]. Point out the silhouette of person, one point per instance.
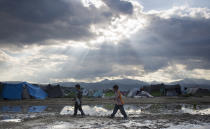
[[118, 103], [78, 101]]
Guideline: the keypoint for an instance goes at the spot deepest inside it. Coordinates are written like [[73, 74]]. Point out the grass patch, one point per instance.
[[109, 94], [156, 93], [70, 95]]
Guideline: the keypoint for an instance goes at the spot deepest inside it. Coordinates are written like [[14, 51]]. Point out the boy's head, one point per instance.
[[141, 89], [115, 87], [77, 86]]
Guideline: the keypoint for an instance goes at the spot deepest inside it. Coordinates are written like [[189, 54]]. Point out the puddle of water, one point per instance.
[[196, 110], [11, 120], [100, 110], [24, 112], [37, 108], [10, 109], [19, 113], [16, 109], [136, 110]]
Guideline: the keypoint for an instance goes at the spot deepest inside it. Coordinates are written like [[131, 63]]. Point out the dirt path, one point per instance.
[[68, 101], [142, 122]]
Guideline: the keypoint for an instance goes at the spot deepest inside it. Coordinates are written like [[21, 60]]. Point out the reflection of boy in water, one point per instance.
[[78, 101], [118, 103]]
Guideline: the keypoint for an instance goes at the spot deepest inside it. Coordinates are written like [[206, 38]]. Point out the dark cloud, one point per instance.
[[163, 42], [183, 40], [26, 22], [120, 6], [35, 11], [35, 21]]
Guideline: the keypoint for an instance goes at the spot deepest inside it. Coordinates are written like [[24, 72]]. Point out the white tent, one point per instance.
[[85, 92], [133, 92], [146, 94], [191, 90]]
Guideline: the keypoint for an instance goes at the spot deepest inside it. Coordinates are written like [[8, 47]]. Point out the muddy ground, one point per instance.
[[156, 100], [147, 119]]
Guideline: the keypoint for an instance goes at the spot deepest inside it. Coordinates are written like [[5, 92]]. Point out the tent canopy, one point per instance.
[[14, 91], [98, 93], [54, 91]]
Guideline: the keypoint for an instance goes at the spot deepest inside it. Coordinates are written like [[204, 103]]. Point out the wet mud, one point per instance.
[[148, 114]]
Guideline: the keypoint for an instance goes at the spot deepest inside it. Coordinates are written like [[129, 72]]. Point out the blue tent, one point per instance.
[[98, 94], [14, 91]]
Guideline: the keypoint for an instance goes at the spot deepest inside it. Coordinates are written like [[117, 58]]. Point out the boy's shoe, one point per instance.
[[111, 117]]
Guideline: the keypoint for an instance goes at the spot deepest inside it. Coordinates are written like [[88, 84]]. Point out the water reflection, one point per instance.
[[37, 108], [10, 109], [9, 113], [11, 120], [18, 113], [136, 110], [16, 109], [196, 109]]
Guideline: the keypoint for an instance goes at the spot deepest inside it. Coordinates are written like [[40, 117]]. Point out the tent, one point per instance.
[[1, 88], [85, 92], [197, 91], [17, 91], [133, 92], [191, 90], [98, 94], [202, 92], [54, 91], [90, 92], [143, 94], [172, 90]]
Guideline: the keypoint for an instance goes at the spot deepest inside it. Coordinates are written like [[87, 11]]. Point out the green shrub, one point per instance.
[[156, 93], [70, 95], [109, 94]]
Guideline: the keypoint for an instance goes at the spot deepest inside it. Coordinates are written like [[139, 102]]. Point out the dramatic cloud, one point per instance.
[[62, 40], [29, 21]]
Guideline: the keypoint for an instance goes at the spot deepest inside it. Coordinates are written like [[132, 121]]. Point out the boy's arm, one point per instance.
[[77, 98]]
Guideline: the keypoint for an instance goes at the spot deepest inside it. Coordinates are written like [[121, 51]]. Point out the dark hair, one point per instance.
[[116, 87], [77, 86], [141, 89]]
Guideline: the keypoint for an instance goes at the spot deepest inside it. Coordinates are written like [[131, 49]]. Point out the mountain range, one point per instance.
[[126, 84]]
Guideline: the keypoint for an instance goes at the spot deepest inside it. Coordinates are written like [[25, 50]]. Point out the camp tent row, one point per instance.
[[22, 90], [53, 91]]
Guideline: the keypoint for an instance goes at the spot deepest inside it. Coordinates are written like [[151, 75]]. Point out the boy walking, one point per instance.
[[118, 103], [78, 101]]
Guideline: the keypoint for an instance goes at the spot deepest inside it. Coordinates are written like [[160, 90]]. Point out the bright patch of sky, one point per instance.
[[167, 4]]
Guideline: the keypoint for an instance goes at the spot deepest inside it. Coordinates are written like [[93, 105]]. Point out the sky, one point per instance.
[[46, 41]]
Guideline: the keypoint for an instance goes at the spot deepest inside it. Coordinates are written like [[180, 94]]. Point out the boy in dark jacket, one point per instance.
[[78, 101]]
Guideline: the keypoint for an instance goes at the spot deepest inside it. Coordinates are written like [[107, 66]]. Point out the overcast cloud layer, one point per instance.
[[72, 40]]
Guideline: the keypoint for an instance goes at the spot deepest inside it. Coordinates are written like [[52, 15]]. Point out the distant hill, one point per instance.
[[198, 83], [125, 84]]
